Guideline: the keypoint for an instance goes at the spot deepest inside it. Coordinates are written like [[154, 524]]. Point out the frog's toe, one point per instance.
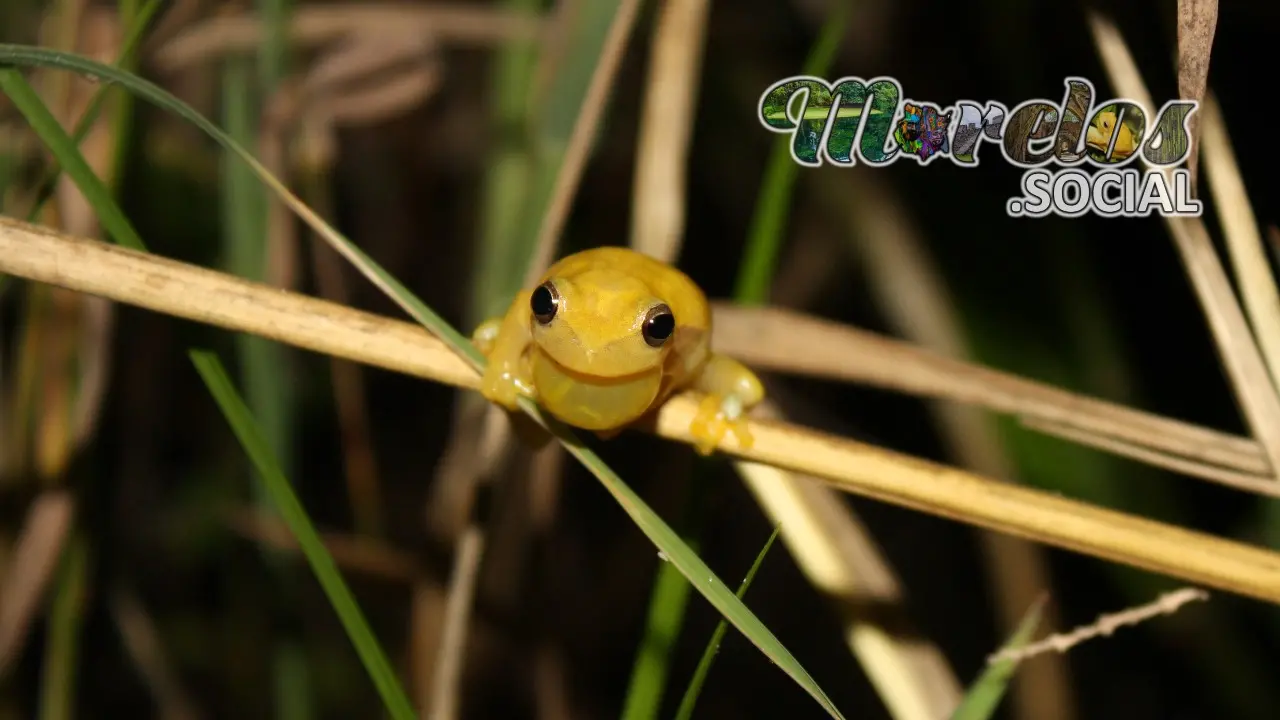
[[716, 416], [709, 425], [503, 389], [485, 335]]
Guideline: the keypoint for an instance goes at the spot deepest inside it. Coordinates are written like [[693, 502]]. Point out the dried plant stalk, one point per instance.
[[182, 290]]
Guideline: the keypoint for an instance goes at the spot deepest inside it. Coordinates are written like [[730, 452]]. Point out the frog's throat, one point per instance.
[[590, 402]]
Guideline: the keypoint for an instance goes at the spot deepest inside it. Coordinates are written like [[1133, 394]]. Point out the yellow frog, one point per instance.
[[1099, 136], [607, 335]]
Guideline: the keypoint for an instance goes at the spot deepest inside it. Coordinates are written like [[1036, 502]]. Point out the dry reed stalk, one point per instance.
[[666, 126], [315, 24], [143, 643], [1240, 230], [490, 427], [31, 568], [768, 338], [1238, 351], [186, 291], [584, 132], [842, 561], [823, 535], [914, 297]]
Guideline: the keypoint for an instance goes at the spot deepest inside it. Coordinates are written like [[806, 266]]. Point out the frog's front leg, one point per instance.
[[731, 391], [505, 342]]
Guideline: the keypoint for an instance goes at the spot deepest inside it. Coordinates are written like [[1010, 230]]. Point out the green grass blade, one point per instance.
[[662, 628], [713, 646], [125, 60], [641, 514], [295, 516], [119, 228], [706, 582], [507, 178], [244, 244], [57, 682], [26, 55], [28, 102], [555, 114], [668, 602], [274, 57], [984, 696], [262, 364], [136, 19], [764, 239], [154, 94]]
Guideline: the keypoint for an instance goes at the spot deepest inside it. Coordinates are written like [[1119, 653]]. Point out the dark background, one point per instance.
[[1100, 306]]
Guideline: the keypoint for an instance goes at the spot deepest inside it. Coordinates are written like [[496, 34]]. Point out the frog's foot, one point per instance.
[[717, 415], [504, 387], [485, 335]]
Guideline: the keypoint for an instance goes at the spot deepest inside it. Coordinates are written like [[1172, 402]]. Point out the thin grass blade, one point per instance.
[[764, 239], [277, 486], [507, 179], [49, 182], [713, 646], [26, 55], [119, 228], [711, 587], [46, 126], [984, 696], [668, 602], [645, 518], [555, 118]]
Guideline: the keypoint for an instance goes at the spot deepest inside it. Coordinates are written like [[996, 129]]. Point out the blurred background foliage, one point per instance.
[[194, 607]]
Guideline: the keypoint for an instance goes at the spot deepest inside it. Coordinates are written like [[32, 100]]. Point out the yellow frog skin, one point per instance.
[[609, 334]]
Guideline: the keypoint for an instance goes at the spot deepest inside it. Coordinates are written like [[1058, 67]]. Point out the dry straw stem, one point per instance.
[[1197, 23], [494, 434], [662, 154], [895, 257], [1239, 481], [367, 78], [314, 24], [823, 535], [32, 568], [1241, 358], [767, 338], [831, 547], [444, 697], [584, 132], [842, 561], [1166, 604], [142, 642], [355, 553], [194, 293], [1240, 230]]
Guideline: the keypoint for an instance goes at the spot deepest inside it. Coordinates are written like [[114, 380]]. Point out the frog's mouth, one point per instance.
[[591, 402]]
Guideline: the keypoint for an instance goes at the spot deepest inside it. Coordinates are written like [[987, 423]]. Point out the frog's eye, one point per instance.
[[544, 302], [659, 323]]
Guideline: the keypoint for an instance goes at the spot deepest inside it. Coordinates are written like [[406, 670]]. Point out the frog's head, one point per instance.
[[1098, 136], [604, 336]]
